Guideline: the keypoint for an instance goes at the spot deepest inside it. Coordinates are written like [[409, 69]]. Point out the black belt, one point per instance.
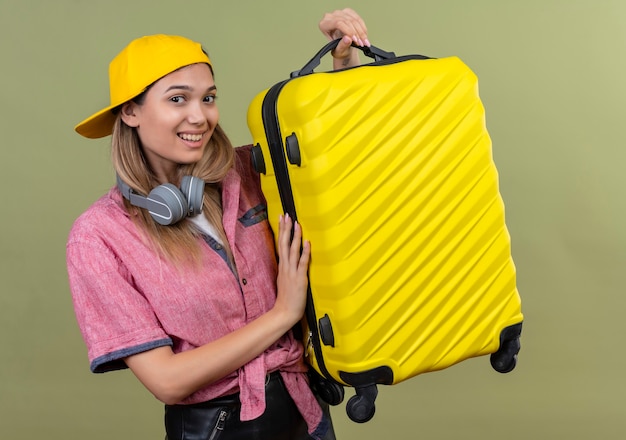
[[220, 418]]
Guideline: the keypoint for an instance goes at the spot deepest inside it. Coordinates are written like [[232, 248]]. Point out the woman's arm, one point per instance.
[[350, 27], [172, 377]]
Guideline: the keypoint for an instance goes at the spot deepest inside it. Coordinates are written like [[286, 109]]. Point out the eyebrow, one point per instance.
[[188, 88]]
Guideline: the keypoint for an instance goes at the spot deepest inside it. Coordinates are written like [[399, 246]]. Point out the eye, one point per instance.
[[177, 99], [210, 99]]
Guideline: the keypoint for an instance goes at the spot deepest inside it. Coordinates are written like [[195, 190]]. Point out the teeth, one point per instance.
[[191, 137]]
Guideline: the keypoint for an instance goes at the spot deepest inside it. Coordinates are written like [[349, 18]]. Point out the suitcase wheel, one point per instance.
[[331, 393], [328, 390], [361, 408], [505, 359]]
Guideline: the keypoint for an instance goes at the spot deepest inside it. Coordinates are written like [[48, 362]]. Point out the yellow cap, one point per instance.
[[141, 63]]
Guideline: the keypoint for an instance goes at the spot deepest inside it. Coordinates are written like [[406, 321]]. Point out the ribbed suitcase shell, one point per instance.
[[398, 194]]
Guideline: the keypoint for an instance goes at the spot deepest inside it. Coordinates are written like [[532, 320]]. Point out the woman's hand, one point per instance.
[[292, 282], [350, 27], [173, 376]]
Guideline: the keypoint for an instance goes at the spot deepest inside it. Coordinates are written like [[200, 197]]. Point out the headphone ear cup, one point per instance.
[[171, 203], [193, 189]]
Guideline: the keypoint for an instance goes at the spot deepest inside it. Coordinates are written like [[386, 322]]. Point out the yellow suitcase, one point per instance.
[[388, 167]]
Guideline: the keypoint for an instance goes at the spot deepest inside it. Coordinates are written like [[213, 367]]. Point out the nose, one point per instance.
[[197, 114]]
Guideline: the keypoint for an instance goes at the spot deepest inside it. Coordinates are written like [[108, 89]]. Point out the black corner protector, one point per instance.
[[379, 375]]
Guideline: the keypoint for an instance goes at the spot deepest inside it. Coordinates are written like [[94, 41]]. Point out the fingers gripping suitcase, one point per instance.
[[388, 167]]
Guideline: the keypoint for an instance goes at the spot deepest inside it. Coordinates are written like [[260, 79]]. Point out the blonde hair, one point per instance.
[[178, 242]]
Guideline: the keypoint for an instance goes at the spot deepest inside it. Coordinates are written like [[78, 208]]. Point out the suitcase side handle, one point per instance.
[[372, 52]]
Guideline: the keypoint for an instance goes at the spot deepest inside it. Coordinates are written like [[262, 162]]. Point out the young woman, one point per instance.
[[174, 273]]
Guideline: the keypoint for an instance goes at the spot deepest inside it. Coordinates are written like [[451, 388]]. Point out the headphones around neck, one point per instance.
[[166, 203]]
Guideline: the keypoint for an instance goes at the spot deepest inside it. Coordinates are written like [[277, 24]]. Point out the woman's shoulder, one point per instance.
[[104, 217], [244, 166], [243, 156], [249, 177]]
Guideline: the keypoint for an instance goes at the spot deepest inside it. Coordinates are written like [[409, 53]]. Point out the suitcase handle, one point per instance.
[[372, 52]]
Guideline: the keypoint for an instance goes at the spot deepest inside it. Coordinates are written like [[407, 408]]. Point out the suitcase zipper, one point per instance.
[[269, 115], [277, 151], [219, 425], [309, 344]]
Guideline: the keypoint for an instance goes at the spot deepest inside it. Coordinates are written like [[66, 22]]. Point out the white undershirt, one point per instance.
[[203, 224]]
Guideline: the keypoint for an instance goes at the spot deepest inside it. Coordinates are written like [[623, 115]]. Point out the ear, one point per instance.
[[129, 114]]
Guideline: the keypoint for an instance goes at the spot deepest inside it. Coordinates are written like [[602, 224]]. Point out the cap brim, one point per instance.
[[97, 125]]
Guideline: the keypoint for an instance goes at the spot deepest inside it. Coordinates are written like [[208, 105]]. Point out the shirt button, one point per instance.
[[244, 281]]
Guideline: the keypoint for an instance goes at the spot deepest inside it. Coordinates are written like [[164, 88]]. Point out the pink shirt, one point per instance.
[[128, 300]]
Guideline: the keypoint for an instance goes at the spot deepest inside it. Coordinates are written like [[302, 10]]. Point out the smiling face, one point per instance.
[[176, 119]]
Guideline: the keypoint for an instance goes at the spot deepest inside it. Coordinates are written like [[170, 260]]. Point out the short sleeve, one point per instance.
[[115, 319]]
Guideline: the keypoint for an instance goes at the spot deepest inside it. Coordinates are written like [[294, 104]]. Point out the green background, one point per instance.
[[552, 78]]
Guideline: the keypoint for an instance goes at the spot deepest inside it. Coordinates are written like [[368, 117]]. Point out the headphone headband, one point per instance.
[[166, 203]]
